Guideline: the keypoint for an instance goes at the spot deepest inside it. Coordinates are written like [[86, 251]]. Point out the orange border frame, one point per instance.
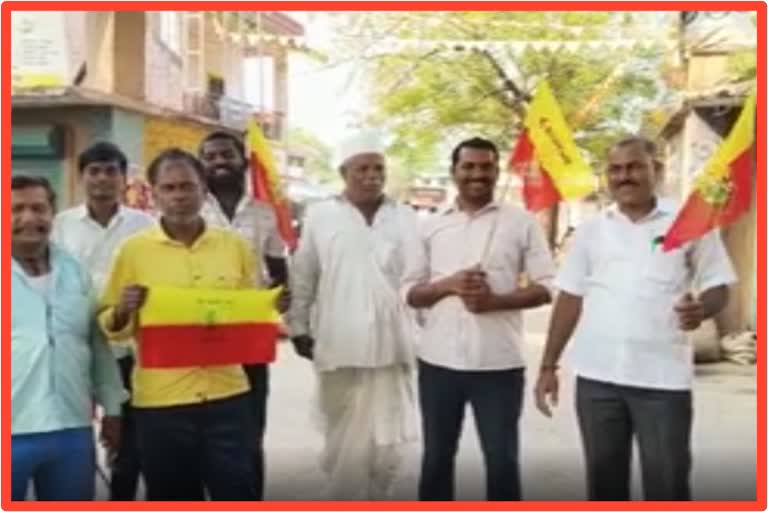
[[759, 7]]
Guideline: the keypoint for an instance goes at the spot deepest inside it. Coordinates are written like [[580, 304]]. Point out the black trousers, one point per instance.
[[188, 449], [496, 398], [258, 378], [610, 416], [124, 478]]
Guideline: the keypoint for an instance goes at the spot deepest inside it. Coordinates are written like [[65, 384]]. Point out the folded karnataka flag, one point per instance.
[[181, 327]]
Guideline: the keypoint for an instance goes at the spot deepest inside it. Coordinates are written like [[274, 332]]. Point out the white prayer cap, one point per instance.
[[364, 142]]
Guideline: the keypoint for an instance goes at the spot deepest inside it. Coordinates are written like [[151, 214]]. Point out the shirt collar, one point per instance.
[[454, 208], [663, 207], [83, 213], [386, 201], [158, 234], [55, 253]]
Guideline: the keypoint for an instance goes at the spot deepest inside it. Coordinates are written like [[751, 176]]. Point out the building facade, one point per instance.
[[143, 80], [711, 103]]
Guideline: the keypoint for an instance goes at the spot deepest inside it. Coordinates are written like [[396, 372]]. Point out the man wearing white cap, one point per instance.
[[348, 266]]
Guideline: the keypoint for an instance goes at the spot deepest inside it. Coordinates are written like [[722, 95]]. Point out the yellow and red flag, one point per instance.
[[723, 189], [265, 182], [539, 192], [182, 327], [547, 158]]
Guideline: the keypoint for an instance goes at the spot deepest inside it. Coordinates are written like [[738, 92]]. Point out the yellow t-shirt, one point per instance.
[[217, 259]]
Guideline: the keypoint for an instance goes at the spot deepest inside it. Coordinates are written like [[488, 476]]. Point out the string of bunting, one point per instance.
[[519, 47], [516, 47], [251, 39]]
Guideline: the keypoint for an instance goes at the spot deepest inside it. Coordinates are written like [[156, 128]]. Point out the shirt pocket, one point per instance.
[[614, 269], [225, 279], [664, 272], [71, 312], [505, 254], [504, 263]]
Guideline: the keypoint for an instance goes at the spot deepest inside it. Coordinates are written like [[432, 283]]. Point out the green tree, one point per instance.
[[742, 66], [318, 156], [428, 96]]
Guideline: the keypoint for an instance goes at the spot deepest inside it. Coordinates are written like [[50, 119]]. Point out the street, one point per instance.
[[723, 438]]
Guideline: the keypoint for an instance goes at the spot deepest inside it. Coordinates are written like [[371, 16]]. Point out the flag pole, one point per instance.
[[261, 63]]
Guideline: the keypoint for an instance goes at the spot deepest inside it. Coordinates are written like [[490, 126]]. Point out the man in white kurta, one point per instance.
[[348, 267]]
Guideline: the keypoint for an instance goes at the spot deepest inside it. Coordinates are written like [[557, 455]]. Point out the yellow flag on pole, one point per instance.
[[554, 146]]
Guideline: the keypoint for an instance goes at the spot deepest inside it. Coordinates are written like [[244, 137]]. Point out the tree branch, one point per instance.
[[418, 62], [509, 85]]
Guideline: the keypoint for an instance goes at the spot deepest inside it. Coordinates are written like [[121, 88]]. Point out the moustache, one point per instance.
[[103, 189], [37, 229]]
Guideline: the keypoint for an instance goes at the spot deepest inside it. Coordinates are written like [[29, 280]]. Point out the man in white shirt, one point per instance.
[[348, 267], [626, 304], [465, 276], [229, 206], [92, 232]]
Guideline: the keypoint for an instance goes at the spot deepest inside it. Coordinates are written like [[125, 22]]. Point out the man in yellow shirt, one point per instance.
[[192, 422]]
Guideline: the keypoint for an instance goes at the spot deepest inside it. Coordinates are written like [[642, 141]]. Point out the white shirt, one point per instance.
[[351, 272], [628, 332], [93, 244], [254, 220], [506, 241]]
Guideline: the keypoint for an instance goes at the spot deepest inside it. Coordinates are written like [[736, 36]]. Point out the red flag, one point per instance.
[[539, 191], [723, 189], [265, 183]]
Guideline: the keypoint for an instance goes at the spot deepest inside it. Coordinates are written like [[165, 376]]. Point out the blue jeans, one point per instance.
[[187, 449], [62, 465], [496, 398]]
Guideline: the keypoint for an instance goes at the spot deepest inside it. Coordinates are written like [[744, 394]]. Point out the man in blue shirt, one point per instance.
[[59, 362]]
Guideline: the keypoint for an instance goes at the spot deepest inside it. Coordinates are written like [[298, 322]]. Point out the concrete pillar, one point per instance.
[[130, 50], [281, 80], [100, 51]]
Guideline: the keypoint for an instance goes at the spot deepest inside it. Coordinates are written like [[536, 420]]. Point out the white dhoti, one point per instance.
[[367, 416]]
